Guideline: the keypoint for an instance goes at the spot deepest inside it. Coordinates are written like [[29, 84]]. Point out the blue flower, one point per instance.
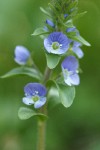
[[21, 55], [50, 23], [56, 43], [76, 45], [73, 29], [35, 94], [65, 15], [70, 70], [77, 50], [46, 28]]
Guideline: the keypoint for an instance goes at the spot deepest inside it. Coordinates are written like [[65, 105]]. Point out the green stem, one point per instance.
[[42, 124], [47, 74], [41, 135]]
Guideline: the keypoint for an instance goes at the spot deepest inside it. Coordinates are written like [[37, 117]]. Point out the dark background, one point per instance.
[[75, 128]]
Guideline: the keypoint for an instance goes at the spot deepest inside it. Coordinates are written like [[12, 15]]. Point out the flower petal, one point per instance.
[[65, 15], [72, 80], [50, 23], [46, 28], [78, 52], [75, 80], [40, 102], [21, 55], [48, 45], [70, 63], [68, 81], [32, 89], [28, 101], [71, 29], [76, 44]]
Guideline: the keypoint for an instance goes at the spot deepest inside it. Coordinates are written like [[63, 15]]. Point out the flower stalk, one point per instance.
[[47, 75], [41, 135]]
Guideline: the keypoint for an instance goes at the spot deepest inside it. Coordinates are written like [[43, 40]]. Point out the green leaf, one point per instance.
[[66, 94], [73, 33], [39, 31], [52, 60], [80, 39], [53, 97], [23, 71], [45, 12], [80, 15], [73, 4], [26, 113], [54, 10], [69, 23]]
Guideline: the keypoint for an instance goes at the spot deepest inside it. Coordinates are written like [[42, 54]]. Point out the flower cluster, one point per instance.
[[62, 44], [58, 43], [62, 41]]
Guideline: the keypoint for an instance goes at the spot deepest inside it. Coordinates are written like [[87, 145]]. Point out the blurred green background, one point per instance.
[[75, 128]]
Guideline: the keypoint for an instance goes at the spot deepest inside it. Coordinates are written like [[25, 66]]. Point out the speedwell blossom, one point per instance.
[[77, 50], [65, 15], [69, 68], [76, 45], [50, 23], [56, 43], [21, 55], [73, 29], [35, 94]]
